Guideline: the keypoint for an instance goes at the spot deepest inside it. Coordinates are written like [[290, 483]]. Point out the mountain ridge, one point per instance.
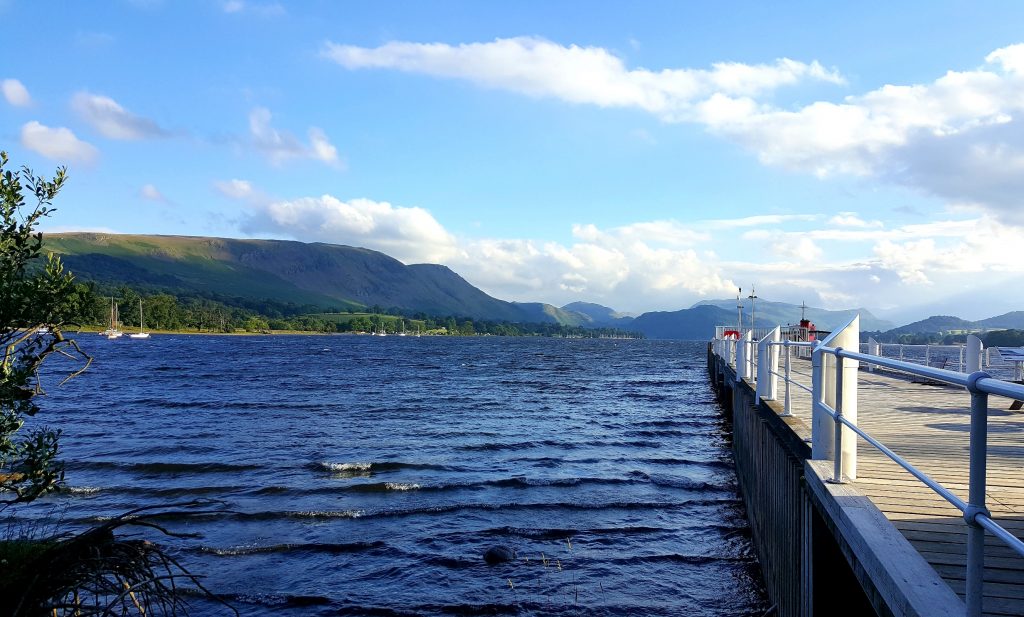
[[337, 277]]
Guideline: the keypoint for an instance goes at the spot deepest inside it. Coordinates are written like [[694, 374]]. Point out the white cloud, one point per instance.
[[235, 189], [850, 219], [655, 260], [151, 193], [959, 137], [56, 143], [113, 121], [15, 93], [282, 146], [757, 220], [408, 234], [801, 248], [593, 75]]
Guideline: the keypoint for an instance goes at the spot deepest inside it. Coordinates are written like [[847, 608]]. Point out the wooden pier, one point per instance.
[[921, 563], [928, 425]]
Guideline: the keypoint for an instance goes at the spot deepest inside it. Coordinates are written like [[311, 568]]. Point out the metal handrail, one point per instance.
[[980, 385], [786, 378], [978, 518]]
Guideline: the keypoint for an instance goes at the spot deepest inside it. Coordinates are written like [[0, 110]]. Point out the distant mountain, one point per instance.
[[1013, 320], [326, 276], [936, 323], [538, 312], [783, 313], [599, 316], [696, 323]]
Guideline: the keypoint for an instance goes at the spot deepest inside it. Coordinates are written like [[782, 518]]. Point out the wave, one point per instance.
[[438, 510], [362, 468], [557, 533], [687, 461], [380, 487], [697, 560], [310, 547], [469, 507], [659, 382], [82, 490], [160, 467], [520, 445]]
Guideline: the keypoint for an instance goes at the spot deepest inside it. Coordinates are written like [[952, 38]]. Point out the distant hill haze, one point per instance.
[[333, 277], [770, 313], [945, 324]]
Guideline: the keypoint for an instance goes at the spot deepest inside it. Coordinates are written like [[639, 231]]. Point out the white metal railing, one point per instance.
[[834, 423], [787, 377]]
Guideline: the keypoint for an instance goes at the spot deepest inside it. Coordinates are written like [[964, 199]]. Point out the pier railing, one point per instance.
[[834, 370]]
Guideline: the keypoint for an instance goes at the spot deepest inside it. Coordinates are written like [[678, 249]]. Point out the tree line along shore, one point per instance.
[[190, 314]]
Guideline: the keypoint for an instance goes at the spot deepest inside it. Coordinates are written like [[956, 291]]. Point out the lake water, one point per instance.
[[367, 476]]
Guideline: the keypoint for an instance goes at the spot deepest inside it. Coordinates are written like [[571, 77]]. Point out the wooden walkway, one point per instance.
[[929, 425]]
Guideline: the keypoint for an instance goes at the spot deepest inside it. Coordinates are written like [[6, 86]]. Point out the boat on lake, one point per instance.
[[142, 325], [112, 332]]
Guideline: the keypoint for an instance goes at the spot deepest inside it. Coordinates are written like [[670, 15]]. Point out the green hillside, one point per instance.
[[936, 324], [324, 277]]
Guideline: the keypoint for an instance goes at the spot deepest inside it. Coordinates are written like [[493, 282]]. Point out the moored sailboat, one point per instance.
[[142, 325], [112, 332]]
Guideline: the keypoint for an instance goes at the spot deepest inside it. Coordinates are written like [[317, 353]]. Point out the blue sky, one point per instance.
[[641, 155]]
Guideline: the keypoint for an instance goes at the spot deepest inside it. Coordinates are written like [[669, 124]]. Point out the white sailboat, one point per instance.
[[142, 325], [112, 332]]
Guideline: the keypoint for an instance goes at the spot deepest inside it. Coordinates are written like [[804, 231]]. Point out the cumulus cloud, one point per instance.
[[408, 234], [149, 192], [57, 143], [113, 121], [658, 260], [15, 93], [760, 219], [614, 266], [959, 137], [802, 249], [282, 146], [235, 189], [540, 68], [850, 219]]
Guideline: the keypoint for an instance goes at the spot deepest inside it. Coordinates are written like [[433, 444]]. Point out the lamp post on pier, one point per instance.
[[739, 311], [752, 296]]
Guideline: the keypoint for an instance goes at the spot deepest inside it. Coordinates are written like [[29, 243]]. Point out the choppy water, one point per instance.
[[367, 476]]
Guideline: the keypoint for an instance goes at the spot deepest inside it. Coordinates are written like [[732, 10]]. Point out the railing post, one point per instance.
[[773, 364], [874, 349], [927, 355], [741, 359], [976, 495], [750, 354], [823, 441], [767, 363], [837, 467], [787, 410], [974, 347]]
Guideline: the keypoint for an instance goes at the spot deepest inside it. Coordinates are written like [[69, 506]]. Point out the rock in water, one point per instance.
[[498, 554]]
